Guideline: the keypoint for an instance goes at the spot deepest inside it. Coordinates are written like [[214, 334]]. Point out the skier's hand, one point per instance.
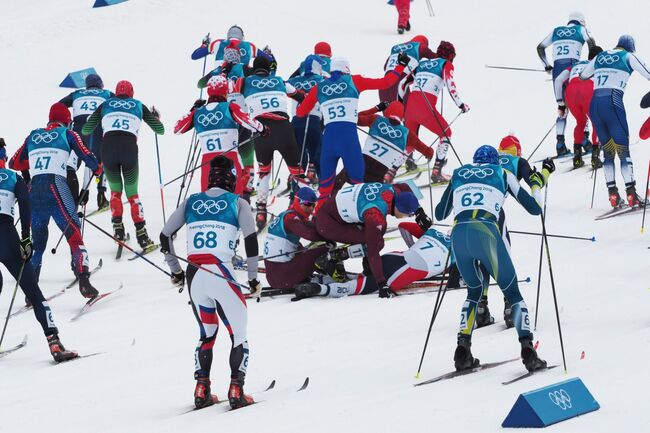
[[330, 245], [256, 288], [155, 112], [198, 104], [226, 67], [548, 69], [548, 164], [561, 109], [381, 106], [178, 278], [164, 244], [206, 40], [403, 59], [386, 292], [464, 108], [83, 197], [26, 248], [422, 219], [100, 170]]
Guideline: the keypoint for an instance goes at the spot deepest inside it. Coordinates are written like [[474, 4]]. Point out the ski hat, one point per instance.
[[323, 49], [306, 195], [3, 150], [577, 17], [124, 88], [510, 145], [235, 32], [60, 113], [262, 62], [340, 64], [627, 43], [395, 110], [406, 202], [231, 53], [446, 50], [594, 51], [222, 173], [421, 39], [217, 85], [486, 154], [94, 80], [312, 65]]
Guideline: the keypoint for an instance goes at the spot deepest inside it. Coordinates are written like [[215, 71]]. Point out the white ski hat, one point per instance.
[[577, 16], [340, 64]]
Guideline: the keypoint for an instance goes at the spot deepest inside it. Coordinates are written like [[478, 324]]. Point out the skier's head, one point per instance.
[[235, 32], [124, 88], [486, 154], [222, 173], [594, 51], [395, 111], [94, 81], [577, 18], [3, 153], [217, 88], [304, 201], [446, 50], [406, 203], [340, 65], [312, 65], [59, 113], [627, 43], [421, 39], [510, 145], [262, 63], [231, 53], [323, 49]]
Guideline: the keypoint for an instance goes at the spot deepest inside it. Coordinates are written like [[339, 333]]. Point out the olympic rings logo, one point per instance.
[[92, 92], [265, 83], [211, 206], [386, 129], [116, 103], [503, 160], [305, 85], [45, 137], [608, 59], [479, 172], [3, 177], [561, 399], [371, 190], [565, 33], [336, 88], [430, 64], [210, 118], [403, 47]]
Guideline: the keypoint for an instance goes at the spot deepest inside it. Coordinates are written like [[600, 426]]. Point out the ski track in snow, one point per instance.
[[360, 353]]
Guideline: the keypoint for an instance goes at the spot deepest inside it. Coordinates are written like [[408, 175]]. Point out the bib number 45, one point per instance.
[[121, 124]]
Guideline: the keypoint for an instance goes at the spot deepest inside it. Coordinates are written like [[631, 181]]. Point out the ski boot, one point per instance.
[[463, 359], [327, 266], [410, 164], [614, 198], [311, 174], [596, 163], [102, 202], [202, 396], [436, 172], [483, 317], [141, 235], [306, 290], [560, 147], [633, 199], [400, 30], [389, 176], [529, 355], [577, 156], [453, 281], [57, 350], [118, 229], [408, 26], [236, 395], [260, 217], [28, 303], [86, 288], [586, 143], [507, 315]]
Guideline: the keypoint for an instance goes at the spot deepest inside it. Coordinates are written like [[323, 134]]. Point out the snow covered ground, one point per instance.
[[360, 353]]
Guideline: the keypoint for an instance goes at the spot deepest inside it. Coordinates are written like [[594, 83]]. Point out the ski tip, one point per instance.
[[305, 384], [101, 262], [24, 342], [271, 385]]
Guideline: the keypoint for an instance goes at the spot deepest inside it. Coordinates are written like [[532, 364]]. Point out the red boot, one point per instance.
[[202, 396], [237, 397]]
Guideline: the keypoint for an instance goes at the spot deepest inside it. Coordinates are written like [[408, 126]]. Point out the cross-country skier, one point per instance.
[[213, 219], [121, 117], [476, 193], [578, 94], [338, 97], [84, 102], [388, 144], [15, 253], [403, 15], [323, 54], [45, 153], [266, 99], [217, 128], [611, 70], [430, 78], [235, 33], [566, 42], [357, 215], [417, 48]]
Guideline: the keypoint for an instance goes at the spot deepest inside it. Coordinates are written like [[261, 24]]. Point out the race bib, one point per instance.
[[340, 110], [384, 152], [218, 140], [48, 160], [86, 105], [121, 121], [266, 102]]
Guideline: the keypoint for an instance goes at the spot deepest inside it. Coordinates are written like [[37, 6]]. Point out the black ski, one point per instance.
[[76, 280], [624, 210], [93, 301], [530, 373], [149, 249], [120, 247], [456, 373], [220, 402], [22, 344], [88, 355]]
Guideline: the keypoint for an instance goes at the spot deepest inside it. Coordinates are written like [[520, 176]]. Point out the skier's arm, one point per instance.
[[304, 229], [589, 70], [200, 52], [591, 42], [638, 65], [174, 223], [541, 49], [295, 94], [446, 204], [247, 226], [20, 160], [185, 124], [524, 171], [296, 73], [559, 82], [363, 83], [448, 76], [24, 207], [77, 145], [151, 120], [244, 119], [414, 142], [67, 100], [92, 121], [526, 200], [409, 230], [305, 107], [427, 53], [374, 228], [367, 117]]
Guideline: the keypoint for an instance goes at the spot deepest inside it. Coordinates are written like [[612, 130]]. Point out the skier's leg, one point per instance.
[[353, 157], [285, 275], [41, 199], [65, 217]]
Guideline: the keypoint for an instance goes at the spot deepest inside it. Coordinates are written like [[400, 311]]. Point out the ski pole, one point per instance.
[[196, 265], [195, 164], [593, 188], [160, 182], [436, 308], [578, 238], [431, 13], [190, 157], [69, 220], [430, 191], [304, 140], [541, 141], [438, 138], [550, 270], [647, 188], [277, 174], [13, 298], [510, 68], [539, 271], [125, 245]]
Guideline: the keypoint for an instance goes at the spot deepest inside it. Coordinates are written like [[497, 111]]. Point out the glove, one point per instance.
[[561, 109], [330, 245], [403, 59], [549, 165], [164, 244], [548, 68], [256, 288], [381, 106], [198, 104], [178, 278], [464, 108], [226, 68], [266, 131], [26, 248], [386, 292], [422, 219], [99, 171], [206, 40], [155, 112], [83, 197]]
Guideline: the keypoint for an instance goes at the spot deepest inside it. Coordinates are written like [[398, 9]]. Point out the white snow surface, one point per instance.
[[360, 353]]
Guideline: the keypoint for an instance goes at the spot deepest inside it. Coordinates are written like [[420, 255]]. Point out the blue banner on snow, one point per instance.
[[102, 3], [77, 79]]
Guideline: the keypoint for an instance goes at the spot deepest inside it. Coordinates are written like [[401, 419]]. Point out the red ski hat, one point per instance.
[[510, 145], [644, 133], [124, 88], [60, 113], [218, 86], [323, 49], [446, 50], [395, 110], [421, 39]]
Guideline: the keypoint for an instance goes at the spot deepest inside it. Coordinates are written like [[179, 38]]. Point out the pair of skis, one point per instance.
[[622, 210]]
